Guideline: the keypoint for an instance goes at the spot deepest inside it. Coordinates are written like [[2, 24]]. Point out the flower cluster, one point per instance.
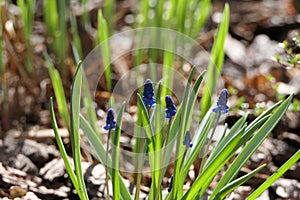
[[110, 120], [148, 94], [222, 102], [170, 107]]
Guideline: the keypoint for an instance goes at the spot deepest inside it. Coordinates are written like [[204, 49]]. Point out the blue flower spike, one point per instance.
[[171, 184], [222, 102], [148, 94], [170, 107], [110, 120], [188, 140]]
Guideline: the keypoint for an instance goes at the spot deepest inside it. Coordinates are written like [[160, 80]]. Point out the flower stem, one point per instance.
[[164, 156], [209, 142], [139, 174], [106, 165]]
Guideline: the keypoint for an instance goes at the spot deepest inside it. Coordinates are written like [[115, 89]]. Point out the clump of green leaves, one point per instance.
[[243, 137], [162, 138]]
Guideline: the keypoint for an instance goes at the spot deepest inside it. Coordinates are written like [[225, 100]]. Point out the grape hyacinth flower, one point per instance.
[[188, 140], [110, 121], [222, 102], [170, 107], [171, 184], [148, 94], [110, 124]]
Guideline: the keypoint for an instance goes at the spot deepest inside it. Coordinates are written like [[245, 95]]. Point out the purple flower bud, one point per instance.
[[222, 102], [110, 121], [148, 94], [170, 107], [188, 140]]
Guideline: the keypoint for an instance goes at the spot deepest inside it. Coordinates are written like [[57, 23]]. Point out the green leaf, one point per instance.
[[150, 142], [62, 149], [200, 16], [58, 91], [236, 183], [115, 154], [177, 190], [103, 35], [216, 62], [75, 137], [199, 140], [275, 176]]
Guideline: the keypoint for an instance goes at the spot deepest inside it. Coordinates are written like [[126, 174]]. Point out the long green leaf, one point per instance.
[[108, 12], [234, 184], [103, 35], [275, 176], [115, 154], [58, 91], [74, 123], [200, 16], [177, 191], [218, 152], [216, 62], [199, 140], [146, 124], [62, 149], [192, 99], [150, 143], [235, 128]]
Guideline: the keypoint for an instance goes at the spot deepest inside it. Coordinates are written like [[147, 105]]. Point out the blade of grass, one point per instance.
[[85, 15], [27, 16], [59, 92], [200, 15], [103, 35], [74, 124], [55, 20], [76, 42], [115, 155], [199, 140], [177, 191], [264, 186], [240, 124], [108, 13], [62, 149], [193, 97], [216, 62], [50, 16], [158, 140], [87, 97], [140, 150], [236, 183], [146, 124], [150, 143], [60, 42]]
